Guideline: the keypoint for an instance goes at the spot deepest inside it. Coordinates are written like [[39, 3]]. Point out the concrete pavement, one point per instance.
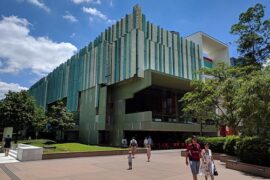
[[6, 159], [164, 165]]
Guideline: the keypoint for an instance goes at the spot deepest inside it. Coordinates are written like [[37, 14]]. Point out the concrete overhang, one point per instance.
[[170, 81], [209, 43]]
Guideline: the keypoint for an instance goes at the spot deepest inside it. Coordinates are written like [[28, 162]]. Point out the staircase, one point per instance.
[[13, 153]]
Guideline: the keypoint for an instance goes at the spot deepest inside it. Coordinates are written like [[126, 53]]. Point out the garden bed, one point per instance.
[[249, 168], [89, 154]]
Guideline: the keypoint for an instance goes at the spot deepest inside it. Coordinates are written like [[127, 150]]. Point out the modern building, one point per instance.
[[129, 80]]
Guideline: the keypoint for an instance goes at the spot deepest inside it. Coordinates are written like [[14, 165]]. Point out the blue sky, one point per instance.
[[38, 35]]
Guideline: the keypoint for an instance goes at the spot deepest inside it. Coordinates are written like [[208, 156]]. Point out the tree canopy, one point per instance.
[[59, 117], [19, 110], [254, 36], [235, 96], [238, 96]]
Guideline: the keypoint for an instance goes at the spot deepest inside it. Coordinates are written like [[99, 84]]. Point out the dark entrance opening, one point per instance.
[[163, 102], [104, 137], [161, 139]]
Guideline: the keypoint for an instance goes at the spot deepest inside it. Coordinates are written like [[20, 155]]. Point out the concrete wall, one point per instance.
[[92, 114]]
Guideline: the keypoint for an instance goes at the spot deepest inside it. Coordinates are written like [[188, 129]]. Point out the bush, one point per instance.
[[253, 150], [229, 146], [49, 142], [215, 143]]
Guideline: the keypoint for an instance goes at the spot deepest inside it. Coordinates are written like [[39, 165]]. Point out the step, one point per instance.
[[13, 153]]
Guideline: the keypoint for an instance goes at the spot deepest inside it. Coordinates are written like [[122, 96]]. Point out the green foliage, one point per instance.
[[59, 117], [67, 147], [19, 110], [37, 142], [40, 119], [236, 96], [254, 32], [253, 104], [214, 94], [254, 150], [229, 146], [215, 143]]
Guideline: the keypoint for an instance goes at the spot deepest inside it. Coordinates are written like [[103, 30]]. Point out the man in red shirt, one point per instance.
[[193, 157]]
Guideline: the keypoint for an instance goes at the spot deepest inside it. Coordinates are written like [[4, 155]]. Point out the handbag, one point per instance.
[[215, 171]]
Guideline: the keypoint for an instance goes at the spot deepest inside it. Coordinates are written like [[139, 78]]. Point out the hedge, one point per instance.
[[215, 143], [229, 146], [254, 150]]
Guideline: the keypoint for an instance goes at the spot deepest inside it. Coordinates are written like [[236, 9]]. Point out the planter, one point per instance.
[[249, 168], [29, 153], [225, 158], [183, 153], [216, 156], [89, 154]]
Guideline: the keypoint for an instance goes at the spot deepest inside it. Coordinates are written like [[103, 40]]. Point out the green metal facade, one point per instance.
[[129, 56], [125, 49]]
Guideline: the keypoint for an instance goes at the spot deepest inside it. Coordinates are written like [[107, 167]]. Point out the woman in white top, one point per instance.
[[207, 167]]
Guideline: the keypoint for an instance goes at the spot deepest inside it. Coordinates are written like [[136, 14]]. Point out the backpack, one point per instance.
[[133, 142]]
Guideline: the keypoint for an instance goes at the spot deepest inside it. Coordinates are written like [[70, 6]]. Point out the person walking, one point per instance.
[[149, 148], [193, 157], [145, 142], [133, 145], [7, 144], [129, 160], [207, 166]]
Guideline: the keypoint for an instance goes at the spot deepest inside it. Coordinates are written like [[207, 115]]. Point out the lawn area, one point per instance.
[[66, 147]]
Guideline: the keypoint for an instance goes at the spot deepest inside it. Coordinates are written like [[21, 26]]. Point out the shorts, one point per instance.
[[133, 149], [7, 146], [194, 166]]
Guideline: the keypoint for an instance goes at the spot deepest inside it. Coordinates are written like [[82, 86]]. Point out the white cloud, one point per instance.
[[5, 87], [21, 51], [70, 17], [96, 13], [39, 4], [86, 1]]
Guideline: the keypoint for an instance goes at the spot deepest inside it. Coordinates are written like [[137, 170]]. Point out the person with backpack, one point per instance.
[[133, 145], [7, 144], [193, 157]]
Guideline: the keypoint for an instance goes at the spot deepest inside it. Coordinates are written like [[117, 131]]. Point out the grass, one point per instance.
[[37, 142], [67, 147]]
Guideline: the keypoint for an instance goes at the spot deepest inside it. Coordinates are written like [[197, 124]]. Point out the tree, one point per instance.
[[198, 104], [19, 111], [253, 104], [215, 98], [60, 118], [40, 120], [254, 36]]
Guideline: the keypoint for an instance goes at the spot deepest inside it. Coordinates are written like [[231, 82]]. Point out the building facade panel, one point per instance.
[[121, 54]]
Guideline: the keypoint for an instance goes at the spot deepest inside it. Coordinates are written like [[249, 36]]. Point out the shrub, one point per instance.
[[253, 150], [229, 146], [215, 143], [48, 142]]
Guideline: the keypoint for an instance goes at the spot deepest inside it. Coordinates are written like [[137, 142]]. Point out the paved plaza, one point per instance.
[[164, 165]]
